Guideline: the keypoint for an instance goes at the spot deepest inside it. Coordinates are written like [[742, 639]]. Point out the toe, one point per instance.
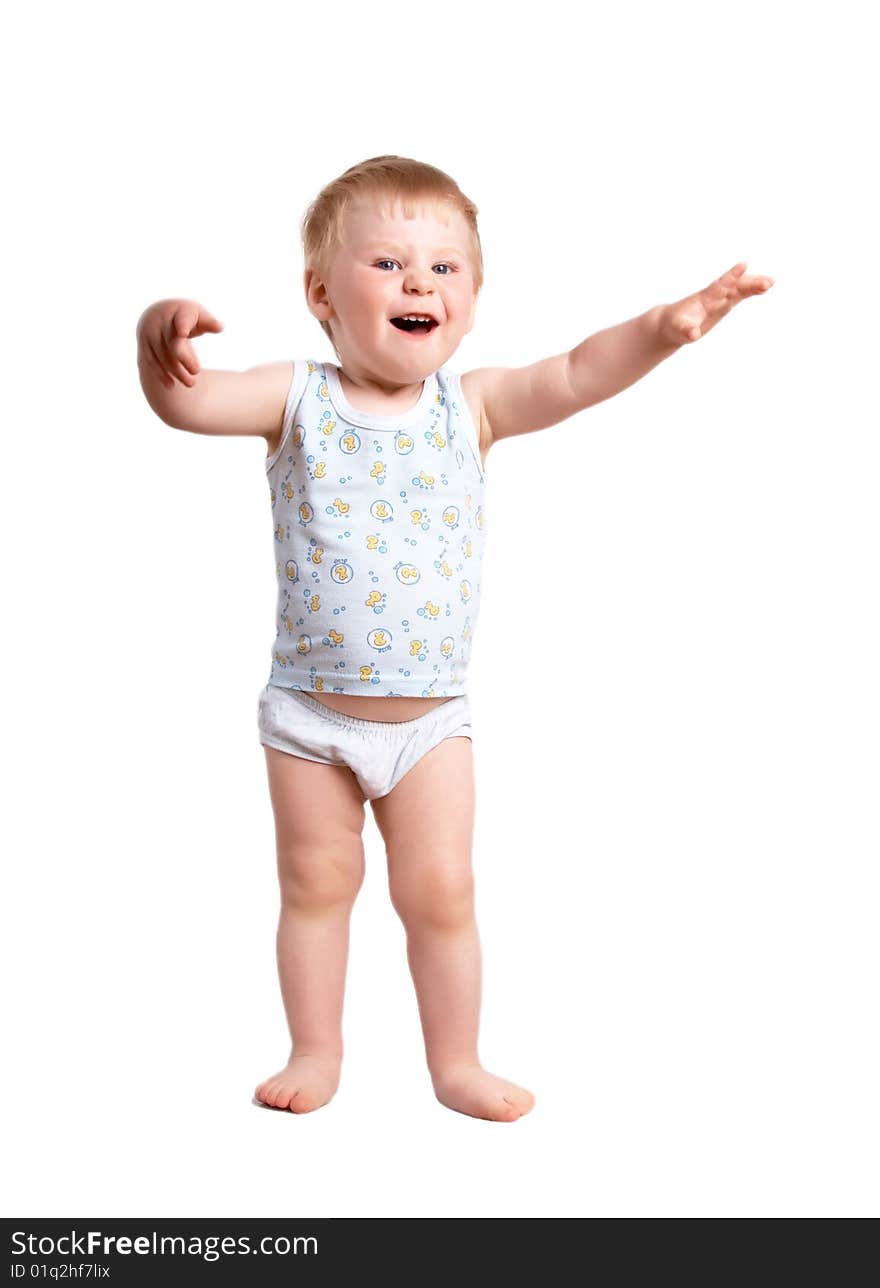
[[508, 1111], [303, 1103]]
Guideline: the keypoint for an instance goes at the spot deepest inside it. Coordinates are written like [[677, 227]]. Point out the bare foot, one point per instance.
[[307, 1083], [469, 1089]]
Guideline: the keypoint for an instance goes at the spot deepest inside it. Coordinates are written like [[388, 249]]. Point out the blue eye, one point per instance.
[[380, 262]]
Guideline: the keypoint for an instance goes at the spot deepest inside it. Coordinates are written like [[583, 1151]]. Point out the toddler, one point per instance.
[[376, 468]]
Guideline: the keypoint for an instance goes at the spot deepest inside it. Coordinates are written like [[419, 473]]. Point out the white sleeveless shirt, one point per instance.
[[379, 533]]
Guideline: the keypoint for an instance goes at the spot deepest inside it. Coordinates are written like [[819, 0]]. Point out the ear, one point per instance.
[[316, 295]]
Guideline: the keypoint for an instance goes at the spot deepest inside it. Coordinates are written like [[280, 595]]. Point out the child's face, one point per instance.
[[390, 266]]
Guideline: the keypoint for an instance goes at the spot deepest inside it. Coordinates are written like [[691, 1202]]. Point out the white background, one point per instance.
[[674, 680]]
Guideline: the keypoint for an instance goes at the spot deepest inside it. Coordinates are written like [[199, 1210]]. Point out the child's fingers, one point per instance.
[[185, 354], [737, 284], [184, 319], [207, 322], [155, 365], [753, 286], [178, 345], [172, 363], [190, 319]]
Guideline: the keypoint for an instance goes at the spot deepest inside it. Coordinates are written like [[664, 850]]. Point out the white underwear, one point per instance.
[[378, 752]]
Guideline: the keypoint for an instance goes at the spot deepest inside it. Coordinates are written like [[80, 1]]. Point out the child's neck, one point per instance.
[[369, 395]]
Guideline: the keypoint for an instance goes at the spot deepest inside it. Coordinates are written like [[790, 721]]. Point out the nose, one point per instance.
[[418, 279]]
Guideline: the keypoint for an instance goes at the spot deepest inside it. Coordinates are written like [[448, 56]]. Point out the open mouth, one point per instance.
[[414, 328]]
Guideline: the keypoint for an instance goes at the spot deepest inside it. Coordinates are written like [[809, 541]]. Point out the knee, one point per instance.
[[434, 897], [318, 880]]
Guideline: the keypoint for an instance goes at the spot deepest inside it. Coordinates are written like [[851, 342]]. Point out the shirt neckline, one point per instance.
[[374, 420]]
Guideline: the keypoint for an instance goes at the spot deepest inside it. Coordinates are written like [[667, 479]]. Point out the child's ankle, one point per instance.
[[330, 1054], [442, 1066]]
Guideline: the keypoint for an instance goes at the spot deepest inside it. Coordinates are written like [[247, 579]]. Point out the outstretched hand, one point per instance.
[[692, 317], [164, 331]]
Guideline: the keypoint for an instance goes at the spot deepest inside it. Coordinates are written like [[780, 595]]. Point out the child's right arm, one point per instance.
[[204, 402]]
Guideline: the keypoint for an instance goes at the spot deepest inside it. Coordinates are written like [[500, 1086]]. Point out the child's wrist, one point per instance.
[[666, 335]]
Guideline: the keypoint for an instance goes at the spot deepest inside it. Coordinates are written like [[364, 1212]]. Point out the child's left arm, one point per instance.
[[515, 401]]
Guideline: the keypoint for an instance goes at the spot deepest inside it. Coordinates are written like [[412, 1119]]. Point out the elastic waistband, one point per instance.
[[387, 727]]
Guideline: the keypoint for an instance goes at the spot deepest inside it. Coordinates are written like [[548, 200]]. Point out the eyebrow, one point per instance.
[[389, 245]]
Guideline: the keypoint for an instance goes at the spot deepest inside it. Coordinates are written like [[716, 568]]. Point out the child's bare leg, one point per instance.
[[427, 825], [319, 817]]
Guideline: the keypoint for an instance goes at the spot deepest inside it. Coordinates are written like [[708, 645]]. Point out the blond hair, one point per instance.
[[388, 178]]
